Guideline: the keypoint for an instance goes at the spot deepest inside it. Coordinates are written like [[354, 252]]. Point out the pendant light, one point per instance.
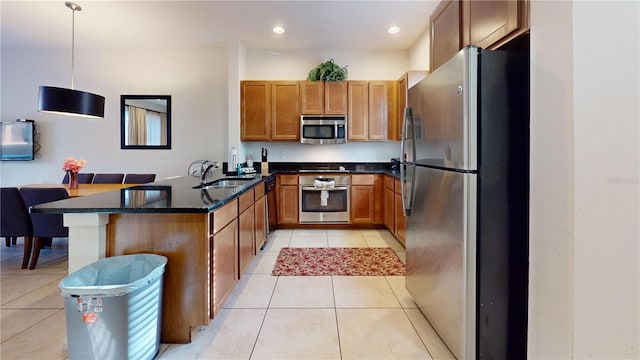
[[72, 102]]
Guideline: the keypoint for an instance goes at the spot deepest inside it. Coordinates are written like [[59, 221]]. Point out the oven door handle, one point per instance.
[[313, 188]]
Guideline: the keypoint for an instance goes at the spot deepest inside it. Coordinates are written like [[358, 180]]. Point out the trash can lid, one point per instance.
[[114, 276]]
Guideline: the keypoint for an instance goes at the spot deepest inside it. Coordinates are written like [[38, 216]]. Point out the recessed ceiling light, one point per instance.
[[393, 30], [278, 29]]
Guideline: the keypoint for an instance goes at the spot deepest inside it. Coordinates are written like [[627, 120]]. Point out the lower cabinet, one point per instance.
[[246, 243], [389, 204], [366, 195], [288, 198], [401, 223], [224, 255], [260, 226]]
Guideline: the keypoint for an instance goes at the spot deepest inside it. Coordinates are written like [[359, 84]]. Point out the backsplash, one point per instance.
[[356, 152]]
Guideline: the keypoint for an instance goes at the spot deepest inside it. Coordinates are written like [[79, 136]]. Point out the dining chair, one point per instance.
[[15, 220], [108, 178], [45, 226], [83, 178], [139, 178]]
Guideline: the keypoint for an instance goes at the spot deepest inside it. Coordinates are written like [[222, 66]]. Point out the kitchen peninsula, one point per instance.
[[196, 229]]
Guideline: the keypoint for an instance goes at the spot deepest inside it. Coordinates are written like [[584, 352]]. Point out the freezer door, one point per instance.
[[441, 255], [444, 106]]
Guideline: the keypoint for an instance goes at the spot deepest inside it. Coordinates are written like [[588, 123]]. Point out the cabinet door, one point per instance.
[[246, 244], [335, 97], [401, 223], [487, 22], [403, 88], [260, 233], [358, 110], [288, 204], [389, 209], [285, 110], [445, 32], [362, 205], [224, 270], [255, 110], [382, 110], [312, 97]]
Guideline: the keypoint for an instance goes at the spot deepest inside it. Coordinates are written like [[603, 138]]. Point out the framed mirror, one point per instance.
[[145, 122]]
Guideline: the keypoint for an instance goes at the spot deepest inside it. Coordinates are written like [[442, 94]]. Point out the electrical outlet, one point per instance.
[[282, 155]]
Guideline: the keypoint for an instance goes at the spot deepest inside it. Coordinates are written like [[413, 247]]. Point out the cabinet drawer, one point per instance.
[[245, 200], [397, 186], [225, 215], [388, 182], [364, 179], [288, 179], [259, 191]]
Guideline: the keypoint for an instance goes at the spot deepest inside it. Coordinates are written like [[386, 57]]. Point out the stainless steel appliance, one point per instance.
[[270, 193], [465, 173], [324, 199], [323, 129]]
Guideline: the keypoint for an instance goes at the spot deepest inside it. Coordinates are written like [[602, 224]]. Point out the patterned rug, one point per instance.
[[337, 261]]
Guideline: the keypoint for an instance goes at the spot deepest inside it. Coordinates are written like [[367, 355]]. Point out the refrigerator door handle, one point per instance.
[[407, 187]]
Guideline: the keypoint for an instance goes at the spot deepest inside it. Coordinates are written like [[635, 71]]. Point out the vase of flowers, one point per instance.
[[72, 167]]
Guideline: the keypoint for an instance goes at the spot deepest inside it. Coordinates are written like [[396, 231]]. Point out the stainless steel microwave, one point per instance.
[[323, 129]]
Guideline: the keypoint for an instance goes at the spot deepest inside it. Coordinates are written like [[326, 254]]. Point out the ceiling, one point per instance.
[[345, 25]]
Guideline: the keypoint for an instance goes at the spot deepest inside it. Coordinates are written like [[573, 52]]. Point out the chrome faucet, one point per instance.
[[206, 167]]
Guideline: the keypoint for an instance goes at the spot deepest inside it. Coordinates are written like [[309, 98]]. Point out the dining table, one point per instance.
[[83, 189]]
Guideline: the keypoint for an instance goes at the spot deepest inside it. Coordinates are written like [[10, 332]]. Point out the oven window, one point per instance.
[[318, 131], [336, 202]]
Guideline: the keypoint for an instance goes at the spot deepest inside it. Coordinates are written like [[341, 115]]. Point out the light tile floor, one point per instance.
[[266, 317]]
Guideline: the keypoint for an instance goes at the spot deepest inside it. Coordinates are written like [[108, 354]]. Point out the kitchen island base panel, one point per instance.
[[183, 239], [87, 235]]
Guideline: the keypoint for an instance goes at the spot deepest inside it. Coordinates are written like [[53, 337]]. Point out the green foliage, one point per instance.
[[328, 71]]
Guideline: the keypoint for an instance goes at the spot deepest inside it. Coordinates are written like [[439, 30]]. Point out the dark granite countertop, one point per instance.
[[177, 195]]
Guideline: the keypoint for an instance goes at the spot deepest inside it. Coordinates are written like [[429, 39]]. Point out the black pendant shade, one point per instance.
[[70, 102]]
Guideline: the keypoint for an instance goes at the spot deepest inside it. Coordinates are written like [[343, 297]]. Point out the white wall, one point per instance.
[[195, 78], [584, 282], [295, 65]]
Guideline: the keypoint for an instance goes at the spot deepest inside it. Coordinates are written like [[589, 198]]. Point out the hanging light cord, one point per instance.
[[74, 7]]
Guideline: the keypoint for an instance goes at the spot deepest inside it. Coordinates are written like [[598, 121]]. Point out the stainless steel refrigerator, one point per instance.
[[465, 176]]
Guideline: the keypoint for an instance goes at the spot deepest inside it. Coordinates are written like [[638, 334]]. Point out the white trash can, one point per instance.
[[113, 308]]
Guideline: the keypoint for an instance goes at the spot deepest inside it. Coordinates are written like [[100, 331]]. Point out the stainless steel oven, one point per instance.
[[324, 199]]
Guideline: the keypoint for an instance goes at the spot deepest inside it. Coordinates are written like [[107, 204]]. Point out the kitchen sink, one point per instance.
[[224, 183]]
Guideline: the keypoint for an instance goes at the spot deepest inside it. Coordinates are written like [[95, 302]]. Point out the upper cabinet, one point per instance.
[[445, 32], [489, 24], [486, 24], [319, 97], [269, 110], [371, 111], [406, 81]]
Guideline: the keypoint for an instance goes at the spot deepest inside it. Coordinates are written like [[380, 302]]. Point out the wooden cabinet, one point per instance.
[[371, 111], [486, 24], [224, 255], [366, 199], [489, 24], [389, 217], [401, 223], [269, 110], [255, 110], [246, 241], [288, 198], [260, 234], [446, 37], [405, 82], [285, 111], [319, 97]]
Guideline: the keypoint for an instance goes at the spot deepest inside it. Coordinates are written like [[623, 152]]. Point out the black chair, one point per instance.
[[15, 220], [45, 226], [139, 178], [83, 178], [108, 178]]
